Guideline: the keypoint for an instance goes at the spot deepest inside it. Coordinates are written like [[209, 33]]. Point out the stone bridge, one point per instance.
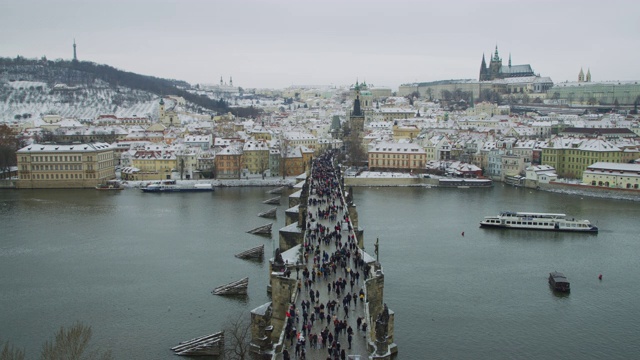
[[320, 247]]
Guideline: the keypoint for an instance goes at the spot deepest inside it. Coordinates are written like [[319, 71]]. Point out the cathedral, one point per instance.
[[581, 76], [496, 70]]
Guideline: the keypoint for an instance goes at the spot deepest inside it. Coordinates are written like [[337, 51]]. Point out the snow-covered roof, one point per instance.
[[255, 146], [197, 138], [388, 147], [608, 166], [65, 148]]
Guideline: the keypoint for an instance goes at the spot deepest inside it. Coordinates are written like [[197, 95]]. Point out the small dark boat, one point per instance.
[[559, 282]]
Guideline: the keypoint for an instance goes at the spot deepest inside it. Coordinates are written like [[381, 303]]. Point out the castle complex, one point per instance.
[[496, 70]]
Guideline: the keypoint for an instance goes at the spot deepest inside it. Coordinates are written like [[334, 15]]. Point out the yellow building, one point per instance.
[[328, 144], [408, 132], [397, 157], [437, 148], [168, 116], [295, 161], [391, 114], [294, 138], [261, 134], [571, 157], [613, 175], [152, 163], [65, 166], [489, 109], [256, 156]]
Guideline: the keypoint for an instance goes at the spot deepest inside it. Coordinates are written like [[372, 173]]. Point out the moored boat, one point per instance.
[[538, 221], [559, 282], [465, 183], [110, 185], [171, 186]]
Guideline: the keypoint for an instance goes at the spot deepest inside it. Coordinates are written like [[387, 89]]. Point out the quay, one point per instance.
[[327, 293]]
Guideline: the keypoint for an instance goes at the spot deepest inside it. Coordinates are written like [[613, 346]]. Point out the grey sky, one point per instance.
[[277, 43]]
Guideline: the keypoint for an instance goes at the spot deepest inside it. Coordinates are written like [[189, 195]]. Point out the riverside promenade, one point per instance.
[[327, 292]]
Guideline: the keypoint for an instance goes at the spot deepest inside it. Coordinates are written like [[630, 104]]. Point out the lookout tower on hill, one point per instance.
[[75, 55]]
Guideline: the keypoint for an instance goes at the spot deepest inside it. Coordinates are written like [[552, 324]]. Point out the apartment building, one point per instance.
[[571, 156], [397, 157], [51, 166], [613, 175]]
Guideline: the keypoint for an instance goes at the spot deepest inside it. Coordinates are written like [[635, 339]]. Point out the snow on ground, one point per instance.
[[385, 175], [27, 84]]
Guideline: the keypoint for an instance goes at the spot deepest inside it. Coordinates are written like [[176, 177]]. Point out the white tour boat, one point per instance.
[[537, 221]]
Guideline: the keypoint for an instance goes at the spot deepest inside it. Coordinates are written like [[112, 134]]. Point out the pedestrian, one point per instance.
[[285, 355], [349, 339]]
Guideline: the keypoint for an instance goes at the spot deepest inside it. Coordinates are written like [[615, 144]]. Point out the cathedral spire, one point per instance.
[[496, 57], [509, 59], [588, 75], [581, 76], [483, 69], [356, 105]]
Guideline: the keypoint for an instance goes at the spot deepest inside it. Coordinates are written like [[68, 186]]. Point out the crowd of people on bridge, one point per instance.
[[331, 264]]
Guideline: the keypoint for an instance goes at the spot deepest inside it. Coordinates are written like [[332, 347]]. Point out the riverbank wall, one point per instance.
[[8, 184], [390, 181], [592, 191]]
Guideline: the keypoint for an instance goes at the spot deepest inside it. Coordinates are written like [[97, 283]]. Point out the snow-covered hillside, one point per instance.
[[34, 99]]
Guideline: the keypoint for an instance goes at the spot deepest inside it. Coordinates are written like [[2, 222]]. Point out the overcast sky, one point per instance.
[[278, 43]]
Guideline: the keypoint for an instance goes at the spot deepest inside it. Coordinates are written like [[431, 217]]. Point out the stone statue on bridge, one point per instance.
[[349, 198], [382, 325], [278, 258]]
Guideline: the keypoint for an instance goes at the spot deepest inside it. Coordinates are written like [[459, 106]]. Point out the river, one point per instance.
[[139, 269]]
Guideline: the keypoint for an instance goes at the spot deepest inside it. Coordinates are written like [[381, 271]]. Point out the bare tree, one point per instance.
[[284, 150], [237, 337], [181, 167], [9, 143], [72, 344], [11, 353]]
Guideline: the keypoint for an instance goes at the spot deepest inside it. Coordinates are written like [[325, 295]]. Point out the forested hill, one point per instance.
[[86, 74]]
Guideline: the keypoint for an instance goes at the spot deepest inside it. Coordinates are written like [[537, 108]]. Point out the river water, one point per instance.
[[139, 269]]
